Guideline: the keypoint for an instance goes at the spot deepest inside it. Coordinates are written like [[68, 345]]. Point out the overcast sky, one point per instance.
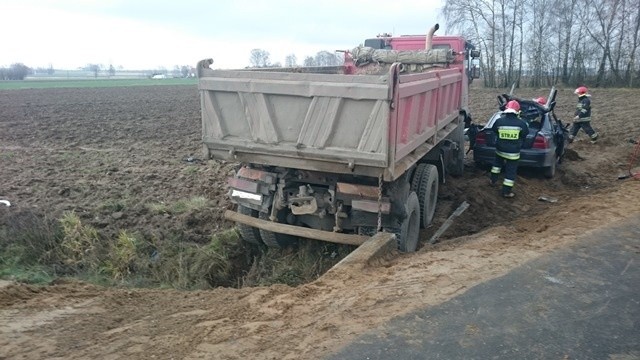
[[146, 34]]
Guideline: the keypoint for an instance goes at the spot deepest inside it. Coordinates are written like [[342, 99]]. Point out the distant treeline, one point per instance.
[[17, 71], [545, 42]]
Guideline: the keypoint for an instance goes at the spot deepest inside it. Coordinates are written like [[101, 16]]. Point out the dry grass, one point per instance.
[[35, 249]]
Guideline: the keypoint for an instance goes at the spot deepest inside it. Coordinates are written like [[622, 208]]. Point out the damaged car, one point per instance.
[[543, 147]]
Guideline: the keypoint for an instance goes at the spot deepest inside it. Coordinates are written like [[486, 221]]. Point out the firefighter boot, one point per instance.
[[506, 192], [493, 180], [495, 172]]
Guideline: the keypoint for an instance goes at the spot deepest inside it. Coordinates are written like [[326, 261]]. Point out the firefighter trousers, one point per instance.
[[510, 170], [584, 125]]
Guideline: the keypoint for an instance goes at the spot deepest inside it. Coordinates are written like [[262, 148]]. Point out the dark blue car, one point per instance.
[[545, 144]]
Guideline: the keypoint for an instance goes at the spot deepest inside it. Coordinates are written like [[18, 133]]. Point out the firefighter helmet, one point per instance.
[[581, 90], [512, 107], [541, 100]]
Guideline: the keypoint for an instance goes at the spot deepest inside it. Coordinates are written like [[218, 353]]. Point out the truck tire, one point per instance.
[[273, 239], [417, 177], [409, 232], [425, 184], [249, 233]]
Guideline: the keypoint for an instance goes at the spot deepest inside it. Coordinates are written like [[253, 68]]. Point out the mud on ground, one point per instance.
[[108, 153]]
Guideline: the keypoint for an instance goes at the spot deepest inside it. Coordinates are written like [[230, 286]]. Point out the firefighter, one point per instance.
[[582, 119], [510, 133]]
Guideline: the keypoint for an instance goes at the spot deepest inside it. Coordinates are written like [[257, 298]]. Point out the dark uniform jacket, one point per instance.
[[510, 134], [583, 109]]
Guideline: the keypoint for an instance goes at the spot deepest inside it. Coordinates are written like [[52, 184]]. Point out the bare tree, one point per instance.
[[477, 21], [573, 41], [94, 68], [309, 61], [628, 74], [259, 58], [326, 58], [291, 61], [566, 20], [599, 20], [540, 52], [17, 71], [185, 71]]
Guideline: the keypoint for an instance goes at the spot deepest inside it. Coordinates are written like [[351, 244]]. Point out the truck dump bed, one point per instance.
[[340, 123]]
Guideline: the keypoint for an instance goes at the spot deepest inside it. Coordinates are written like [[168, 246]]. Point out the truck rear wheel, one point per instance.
[[249, 233], [425, 184], [273, 239], [409, 231]]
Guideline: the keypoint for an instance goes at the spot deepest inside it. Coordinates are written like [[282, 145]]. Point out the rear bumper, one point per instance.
[[528, 157]]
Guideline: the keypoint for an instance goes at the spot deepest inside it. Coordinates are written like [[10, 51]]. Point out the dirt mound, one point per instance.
[[15, 293]]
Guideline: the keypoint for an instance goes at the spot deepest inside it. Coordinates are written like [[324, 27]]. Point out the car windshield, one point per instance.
[[530, 113]]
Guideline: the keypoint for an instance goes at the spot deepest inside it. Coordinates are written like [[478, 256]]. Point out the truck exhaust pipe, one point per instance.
[[429, 39]]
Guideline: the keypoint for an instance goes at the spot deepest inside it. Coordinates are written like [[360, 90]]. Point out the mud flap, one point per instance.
[[453, 153]]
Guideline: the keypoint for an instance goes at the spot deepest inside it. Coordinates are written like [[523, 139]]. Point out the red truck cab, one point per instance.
[[465, 51]]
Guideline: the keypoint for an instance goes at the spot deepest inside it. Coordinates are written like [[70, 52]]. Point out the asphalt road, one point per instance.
[[580, 302]]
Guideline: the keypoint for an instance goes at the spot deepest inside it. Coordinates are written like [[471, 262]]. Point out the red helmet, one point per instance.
[[512, 107], [541, 100], [581, 90]]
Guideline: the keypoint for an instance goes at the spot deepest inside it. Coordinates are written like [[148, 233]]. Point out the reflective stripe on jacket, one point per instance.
[[510, 134], [583, 109]]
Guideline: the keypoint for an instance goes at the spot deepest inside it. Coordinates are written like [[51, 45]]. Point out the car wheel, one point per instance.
[[248, 233], [550, 171]]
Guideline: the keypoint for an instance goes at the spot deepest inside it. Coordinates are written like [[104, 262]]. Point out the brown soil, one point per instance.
[[107, 151], [108, 154]]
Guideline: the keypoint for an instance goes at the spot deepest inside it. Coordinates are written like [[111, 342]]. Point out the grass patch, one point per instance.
[[294, 266], [80, 245], [194, 204], [179, 207], [113, 205], [191, 170], [7, 155], [26, 274], [122, 255], [158, 208], [27, 244], [92, 83], [37, 249]]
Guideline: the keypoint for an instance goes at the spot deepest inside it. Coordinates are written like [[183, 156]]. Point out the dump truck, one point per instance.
[[340, 153]]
